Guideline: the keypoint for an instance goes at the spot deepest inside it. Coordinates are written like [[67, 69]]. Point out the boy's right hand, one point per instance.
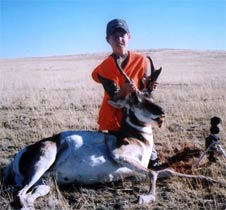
[[126, 89]]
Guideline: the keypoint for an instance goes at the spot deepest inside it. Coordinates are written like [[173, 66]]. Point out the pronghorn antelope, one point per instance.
[[88, 157]]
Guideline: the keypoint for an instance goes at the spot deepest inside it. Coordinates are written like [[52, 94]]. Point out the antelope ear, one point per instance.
[[119, 104]]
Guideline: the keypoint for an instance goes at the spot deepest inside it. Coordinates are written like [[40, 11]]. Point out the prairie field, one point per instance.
[[43, 96]]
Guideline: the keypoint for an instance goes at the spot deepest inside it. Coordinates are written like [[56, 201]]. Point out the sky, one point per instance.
[[37, 28]]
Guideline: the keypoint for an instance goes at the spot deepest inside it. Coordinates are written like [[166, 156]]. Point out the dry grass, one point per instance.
[[43, 96]]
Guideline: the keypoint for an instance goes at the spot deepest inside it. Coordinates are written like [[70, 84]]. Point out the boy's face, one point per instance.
[[119, 41]]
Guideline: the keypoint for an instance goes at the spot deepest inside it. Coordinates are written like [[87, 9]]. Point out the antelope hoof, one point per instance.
[[22, 204], [146, 199]]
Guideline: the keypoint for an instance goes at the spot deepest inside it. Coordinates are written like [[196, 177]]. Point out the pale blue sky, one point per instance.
[[30, 28]]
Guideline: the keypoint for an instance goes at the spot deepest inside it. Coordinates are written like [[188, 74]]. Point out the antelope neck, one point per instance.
[[132, 127]]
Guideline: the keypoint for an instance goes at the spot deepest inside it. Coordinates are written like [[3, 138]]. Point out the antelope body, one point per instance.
[[87, 157]]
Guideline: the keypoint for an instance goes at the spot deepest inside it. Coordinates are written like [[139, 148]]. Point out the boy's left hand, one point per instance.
[[152, 85]]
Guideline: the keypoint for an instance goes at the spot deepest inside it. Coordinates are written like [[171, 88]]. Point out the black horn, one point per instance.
[[154, 72]]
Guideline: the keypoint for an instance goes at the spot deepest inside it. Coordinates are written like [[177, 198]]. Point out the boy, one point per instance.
[[137, 68]]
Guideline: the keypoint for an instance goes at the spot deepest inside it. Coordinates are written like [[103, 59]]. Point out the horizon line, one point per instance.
[[109, 52]]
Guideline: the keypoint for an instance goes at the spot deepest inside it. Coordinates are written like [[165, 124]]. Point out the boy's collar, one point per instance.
[[121, 56]]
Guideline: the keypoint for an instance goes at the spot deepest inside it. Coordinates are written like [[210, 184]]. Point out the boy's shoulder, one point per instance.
[[134, 53], [137, 55]]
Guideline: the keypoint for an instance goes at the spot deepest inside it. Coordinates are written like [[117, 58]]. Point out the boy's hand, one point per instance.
[[152, 85], [126, 89]]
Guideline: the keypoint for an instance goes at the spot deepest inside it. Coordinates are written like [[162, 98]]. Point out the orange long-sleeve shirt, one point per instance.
[[110, 117]]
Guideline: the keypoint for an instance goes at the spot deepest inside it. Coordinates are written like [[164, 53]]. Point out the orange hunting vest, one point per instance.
[[110, 117]]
